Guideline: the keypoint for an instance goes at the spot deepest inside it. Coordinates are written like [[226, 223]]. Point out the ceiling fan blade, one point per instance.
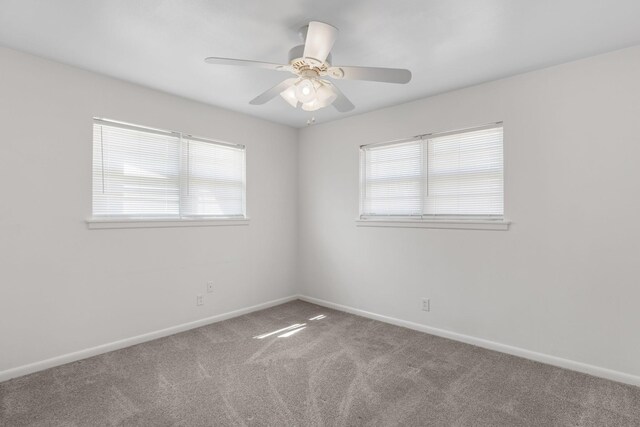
[[319, 41], [273, 92], [341, 103], [386, 75], [247, 63]]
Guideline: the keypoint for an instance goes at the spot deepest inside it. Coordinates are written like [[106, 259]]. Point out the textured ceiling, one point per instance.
[[447, 44]]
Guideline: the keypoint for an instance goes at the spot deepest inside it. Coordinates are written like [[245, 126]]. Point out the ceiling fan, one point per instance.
[[311, 63]]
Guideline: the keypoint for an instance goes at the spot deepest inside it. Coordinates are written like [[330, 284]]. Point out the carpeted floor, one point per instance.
[[334, 369]]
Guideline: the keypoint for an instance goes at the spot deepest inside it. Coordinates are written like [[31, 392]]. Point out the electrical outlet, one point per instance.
[[426, 304], [200, 300], [209, 287]]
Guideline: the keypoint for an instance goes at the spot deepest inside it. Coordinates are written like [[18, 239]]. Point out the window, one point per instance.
[[454, 175], [143, 173]]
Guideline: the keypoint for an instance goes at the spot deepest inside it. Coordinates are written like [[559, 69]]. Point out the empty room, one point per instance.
[[319, 213]]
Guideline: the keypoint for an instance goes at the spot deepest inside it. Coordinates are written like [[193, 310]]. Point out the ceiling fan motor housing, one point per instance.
[[301, 64]]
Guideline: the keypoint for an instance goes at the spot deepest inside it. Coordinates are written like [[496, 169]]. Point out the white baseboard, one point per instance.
[[491, 345], [127, 342]]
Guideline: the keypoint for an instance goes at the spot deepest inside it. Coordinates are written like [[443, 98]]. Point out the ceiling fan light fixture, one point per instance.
[[313, 94], [305, 90], [289, 95], [312, 105], [326, 94]]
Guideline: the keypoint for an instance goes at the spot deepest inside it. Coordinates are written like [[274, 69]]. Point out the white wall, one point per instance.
[[564, 280], [65, 288]]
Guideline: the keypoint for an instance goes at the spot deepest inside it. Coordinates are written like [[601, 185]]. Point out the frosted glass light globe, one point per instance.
[[289, 95], [312, 105], [305, 91], [326, 95]]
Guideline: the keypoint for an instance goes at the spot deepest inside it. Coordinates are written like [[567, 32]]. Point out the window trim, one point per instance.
[[452, 224], [471, 222], [121, 222]]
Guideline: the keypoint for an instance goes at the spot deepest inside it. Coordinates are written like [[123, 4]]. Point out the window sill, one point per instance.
[[104, 223], [432, 223]]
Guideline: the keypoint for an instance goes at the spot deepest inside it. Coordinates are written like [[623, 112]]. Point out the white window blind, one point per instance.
[[146, 173], [393, 179], [214, 179], [449, 175]]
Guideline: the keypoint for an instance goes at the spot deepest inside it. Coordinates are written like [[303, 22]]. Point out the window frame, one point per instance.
[[471, 222], [186, 220]]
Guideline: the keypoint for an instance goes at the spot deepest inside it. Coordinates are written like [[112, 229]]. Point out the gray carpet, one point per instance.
[[338, 370]]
